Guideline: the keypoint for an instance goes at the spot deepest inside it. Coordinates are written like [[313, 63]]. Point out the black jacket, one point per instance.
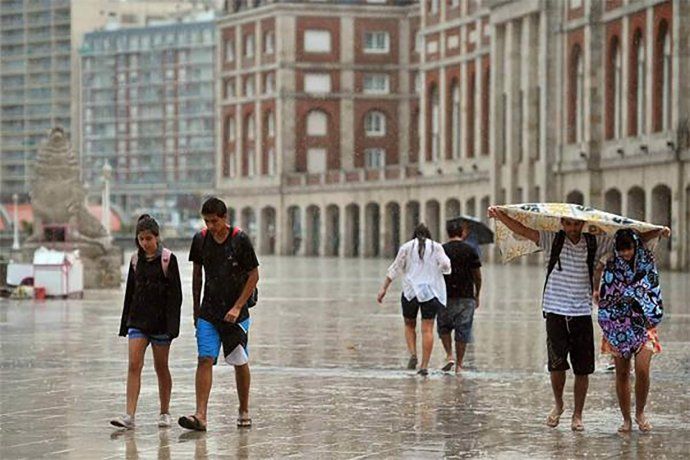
[[152, 299]]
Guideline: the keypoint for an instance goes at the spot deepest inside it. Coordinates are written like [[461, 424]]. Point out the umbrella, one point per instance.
[[547, 217], [479, 231]]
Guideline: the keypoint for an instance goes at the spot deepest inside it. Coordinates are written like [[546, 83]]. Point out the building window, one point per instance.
[[232, 167], [455, 121], [249, 86], [580, 100], [249, 46], [269, 83], [376, 84], [374, 158], [270, 124], [317, 41], [641, 85], [615, 125], [316, 160], [662, 79], [250, 127], [418, 42], [230, 129], [433, 7], [576, 97], [229, 51], [317, 83], [317, 123], [376, 42], [269, 42], [251, 163], [271, 162], [375, 124], [435, 124], [229, 91]]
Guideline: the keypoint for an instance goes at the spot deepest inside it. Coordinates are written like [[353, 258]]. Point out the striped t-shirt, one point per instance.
[[568, 290]]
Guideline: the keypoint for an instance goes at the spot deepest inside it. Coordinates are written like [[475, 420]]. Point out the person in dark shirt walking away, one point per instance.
[[151, 314], [231, 272], [463, 286]]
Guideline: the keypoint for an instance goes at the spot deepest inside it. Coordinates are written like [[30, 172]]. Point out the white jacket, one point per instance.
[[421, 278]]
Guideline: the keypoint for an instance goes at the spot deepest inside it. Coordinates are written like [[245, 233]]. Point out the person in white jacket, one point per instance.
[[421, 262]]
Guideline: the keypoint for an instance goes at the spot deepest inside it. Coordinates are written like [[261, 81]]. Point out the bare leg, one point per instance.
[[204, 380], [580, 393], [623, 391], [137, 348], [460, 355], [642, 364], [427, 341], [557, 385], [411, 336], [243, 379], [160, 362], [447, 346]]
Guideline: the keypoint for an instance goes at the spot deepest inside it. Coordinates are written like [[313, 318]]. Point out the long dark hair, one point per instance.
[[146, 223], [421, 233]]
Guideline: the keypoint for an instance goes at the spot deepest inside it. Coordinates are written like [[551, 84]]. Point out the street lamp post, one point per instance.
[[105, 199], [15, 225]]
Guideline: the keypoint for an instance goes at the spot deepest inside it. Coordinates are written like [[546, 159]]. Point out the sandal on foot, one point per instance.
[[191, 422], [412, 363], [244, 421], [554, 418], [644, 425], [449, 365]]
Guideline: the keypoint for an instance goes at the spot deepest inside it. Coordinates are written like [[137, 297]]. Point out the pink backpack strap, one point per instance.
[[235, 231], [165, 260], [133, 261]]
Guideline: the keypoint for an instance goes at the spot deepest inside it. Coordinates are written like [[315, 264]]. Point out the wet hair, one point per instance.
[[624, 240], [146, 223], [214, 206], [421, 233], [454, 228]]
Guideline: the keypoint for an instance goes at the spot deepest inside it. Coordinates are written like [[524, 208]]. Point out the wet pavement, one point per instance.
[[328, 379]]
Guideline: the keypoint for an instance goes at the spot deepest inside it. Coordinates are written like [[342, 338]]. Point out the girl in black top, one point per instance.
[[151, 313]]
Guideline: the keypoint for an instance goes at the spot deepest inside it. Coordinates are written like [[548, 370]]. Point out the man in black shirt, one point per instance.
[[231, 272], [462, 287]]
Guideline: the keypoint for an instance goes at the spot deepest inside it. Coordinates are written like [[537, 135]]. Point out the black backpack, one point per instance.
[[254, 298], [555, 258]]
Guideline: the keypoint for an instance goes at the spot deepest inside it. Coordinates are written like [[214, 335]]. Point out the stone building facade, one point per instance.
[[494, 101]]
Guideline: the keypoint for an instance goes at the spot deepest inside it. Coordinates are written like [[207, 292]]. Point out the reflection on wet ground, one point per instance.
[[327, 378]]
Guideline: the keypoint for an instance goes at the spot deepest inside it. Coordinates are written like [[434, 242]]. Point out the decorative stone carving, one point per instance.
[[58, 201]]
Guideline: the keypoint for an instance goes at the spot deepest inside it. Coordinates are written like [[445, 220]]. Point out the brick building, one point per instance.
[[494, 101]]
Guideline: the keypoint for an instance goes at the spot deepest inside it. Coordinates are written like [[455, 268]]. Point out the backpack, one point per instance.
[[165, 260], [555, 257], [254, 298]]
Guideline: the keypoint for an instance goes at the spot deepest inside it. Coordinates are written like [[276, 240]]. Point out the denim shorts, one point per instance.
[[156, 340], [457, 316]]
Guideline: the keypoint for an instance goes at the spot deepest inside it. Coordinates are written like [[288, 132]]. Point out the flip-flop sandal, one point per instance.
[[645, 426], [191, 423], [449, 365], [244, 422], [552, 420]]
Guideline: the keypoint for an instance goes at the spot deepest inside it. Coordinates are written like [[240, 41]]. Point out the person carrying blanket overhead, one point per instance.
[[570, 256], [630, 308]]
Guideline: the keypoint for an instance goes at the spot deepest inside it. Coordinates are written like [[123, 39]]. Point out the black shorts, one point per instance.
[[570, 335], [411, 307]]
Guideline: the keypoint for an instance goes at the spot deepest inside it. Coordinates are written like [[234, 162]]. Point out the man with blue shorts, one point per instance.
[[463, 286], [231, 272]]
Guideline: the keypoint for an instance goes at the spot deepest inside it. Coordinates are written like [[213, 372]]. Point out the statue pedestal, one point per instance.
[[102, 268]]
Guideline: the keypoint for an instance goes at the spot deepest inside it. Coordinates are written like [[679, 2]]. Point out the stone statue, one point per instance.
[[58, 201], [57, 195]]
